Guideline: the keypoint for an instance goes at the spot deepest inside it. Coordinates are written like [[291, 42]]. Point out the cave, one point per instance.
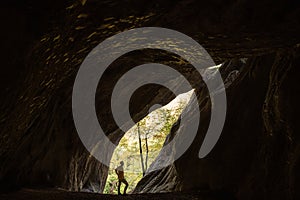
[[254, 46], [141, 145]]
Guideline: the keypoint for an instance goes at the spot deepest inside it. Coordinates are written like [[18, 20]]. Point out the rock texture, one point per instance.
[[259, 146], [257, 156]]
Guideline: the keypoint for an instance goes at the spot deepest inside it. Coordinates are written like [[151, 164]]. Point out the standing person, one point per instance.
[[120, 172]]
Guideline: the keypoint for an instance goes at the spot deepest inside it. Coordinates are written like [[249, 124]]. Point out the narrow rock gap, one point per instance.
[[140, 145]]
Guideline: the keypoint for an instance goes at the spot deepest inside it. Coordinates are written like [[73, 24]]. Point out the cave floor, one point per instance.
[[54, 194]]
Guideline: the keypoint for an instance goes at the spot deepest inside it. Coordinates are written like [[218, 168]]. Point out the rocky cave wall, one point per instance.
[[39, 143], [257, 156]]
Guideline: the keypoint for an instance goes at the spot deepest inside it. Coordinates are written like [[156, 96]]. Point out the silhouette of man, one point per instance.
[[120, 172]]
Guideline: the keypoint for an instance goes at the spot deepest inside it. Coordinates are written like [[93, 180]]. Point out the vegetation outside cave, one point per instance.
[[142, 143]]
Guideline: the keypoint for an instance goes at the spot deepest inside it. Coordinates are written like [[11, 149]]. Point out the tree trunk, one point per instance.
[[141, 149], [147, 152]]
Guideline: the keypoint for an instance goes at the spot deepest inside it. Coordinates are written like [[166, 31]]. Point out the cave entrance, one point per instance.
[[140, 146]]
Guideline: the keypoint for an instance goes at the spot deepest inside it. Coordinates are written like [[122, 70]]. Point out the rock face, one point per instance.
[[258, 153], [257, 156]]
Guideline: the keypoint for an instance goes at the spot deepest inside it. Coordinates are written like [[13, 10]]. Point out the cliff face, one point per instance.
[[257, 156], [258, 152]]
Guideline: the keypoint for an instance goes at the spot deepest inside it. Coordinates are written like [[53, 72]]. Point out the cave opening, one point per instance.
[[140, 145]]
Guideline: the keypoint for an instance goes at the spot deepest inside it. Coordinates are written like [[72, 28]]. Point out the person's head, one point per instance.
[[121, 163]]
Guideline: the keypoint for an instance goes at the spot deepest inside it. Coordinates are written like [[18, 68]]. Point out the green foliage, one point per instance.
[[153, 128]]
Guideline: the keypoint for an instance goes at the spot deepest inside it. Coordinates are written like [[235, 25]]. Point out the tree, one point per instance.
[[141, 149], [142, 144]]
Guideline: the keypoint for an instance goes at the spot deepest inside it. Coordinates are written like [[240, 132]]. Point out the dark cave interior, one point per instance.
[[43, 44]]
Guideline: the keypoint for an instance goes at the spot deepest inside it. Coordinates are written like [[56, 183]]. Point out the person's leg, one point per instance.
[[119, 188], [126, 183]]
